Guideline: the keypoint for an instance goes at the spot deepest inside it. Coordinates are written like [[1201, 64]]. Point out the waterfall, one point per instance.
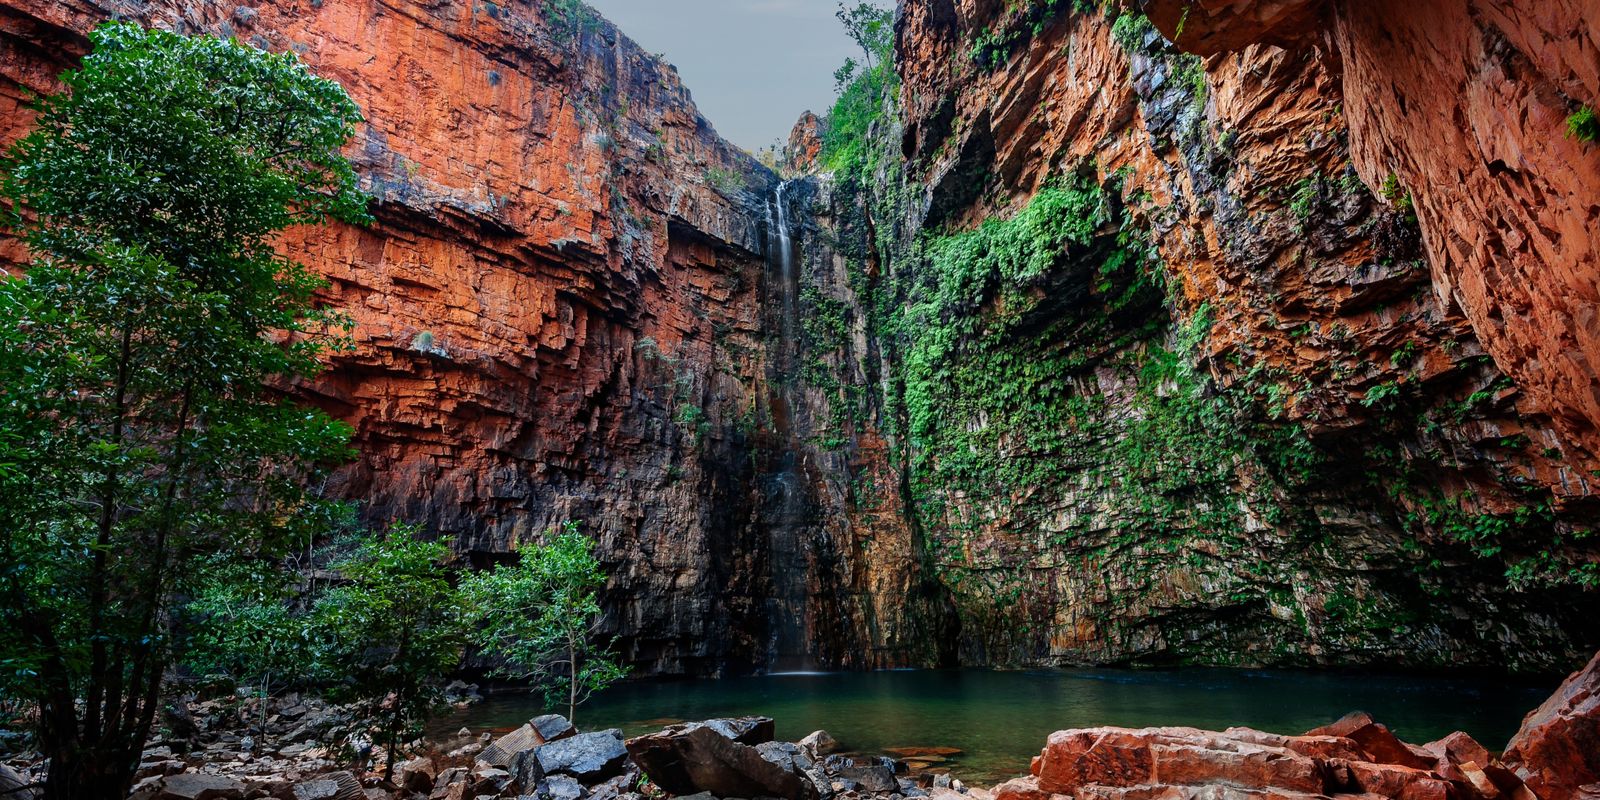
[[786, 508]]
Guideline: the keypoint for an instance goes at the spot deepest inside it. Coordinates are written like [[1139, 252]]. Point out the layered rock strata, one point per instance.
[[561, 312], [1238, 417], [1302, 376]]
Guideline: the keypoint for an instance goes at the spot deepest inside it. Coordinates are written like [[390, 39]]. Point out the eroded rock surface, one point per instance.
[[1276, 408], [1352, 468], [1106, 763], [560, 313], [1557, 750]]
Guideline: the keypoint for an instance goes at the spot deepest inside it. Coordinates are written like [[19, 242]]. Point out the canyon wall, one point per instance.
[[560, 312], [1239, 350], [1244, 410]]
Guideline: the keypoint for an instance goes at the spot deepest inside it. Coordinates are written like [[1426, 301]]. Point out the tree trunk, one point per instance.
[[572, 682], [90, 775]]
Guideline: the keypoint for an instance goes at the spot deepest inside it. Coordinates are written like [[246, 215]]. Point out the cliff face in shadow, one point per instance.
[[1179, 369], [1268, 354], [560, 312]]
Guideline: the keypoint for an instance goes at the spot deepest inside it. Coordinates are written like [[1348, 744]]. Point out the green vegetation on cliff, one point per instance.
[[865, 88]]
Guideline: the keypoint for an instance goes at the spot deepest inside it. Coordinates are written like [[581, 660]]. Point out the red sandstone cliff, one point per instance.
[[557, 313], [1465, 104], [571, 308]]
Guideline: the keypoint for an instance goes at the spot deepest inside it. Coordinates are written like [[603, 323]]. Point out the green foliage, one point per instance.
[[570, 19], [538, 616], [863, 88], [1023, 20], [965, 363], [246, 628], [136, 434], [1405, 353], [871, 28], [1583, 125], [1130, 31], [1012, 334], [391, 630], [1305, 199], [1381, 395], [725, 181]]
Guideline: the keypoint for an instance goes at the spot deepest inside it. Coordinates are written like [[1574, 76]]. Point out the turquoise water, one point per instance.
[[1000, 719]]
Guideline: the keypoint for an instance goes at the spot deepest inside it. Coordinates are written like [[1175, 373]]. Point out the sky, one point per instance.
[[754, 66]]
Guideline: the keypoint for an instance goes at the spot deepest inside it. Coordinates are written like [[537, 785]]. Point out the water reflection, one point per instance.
[[1000, 719]]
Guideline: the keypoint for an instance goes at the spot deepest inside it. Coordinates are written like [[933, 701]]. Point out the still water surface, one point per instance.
[[1000, 719]]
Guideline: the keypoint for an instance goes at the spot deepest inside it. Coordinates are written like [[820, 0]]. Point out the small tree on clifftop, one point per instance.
[[539, 615]]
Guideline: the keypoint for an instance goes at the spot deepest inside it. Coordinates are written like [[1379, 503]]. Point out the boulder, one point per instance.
[[1455, 750], [504, 749], [1024, 789], [868, 778], [489, 780], [819, 744], [705, 757], [1122, 757], [614, 788], [417, 775], [1557, 750], [589, 757], [795, 759], [559, 787], [551, 727], [14, 784], [332, 786], [744, 730], [199, 786], [525, 771]]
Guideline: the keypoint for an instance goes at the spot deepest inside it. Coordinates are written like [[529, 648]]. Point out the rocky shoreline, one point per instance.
[[307, 749]]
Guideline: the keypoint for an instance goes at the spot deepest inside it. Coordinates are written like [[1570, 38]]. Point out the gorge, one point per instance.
[[1271, 351]]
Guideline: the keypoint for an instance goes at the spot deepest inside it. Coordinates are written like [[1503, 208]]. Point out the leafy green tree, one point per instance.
[[538, 617], [248, 628], [871, 28], [391, 631], [137, 433], [863, 87]]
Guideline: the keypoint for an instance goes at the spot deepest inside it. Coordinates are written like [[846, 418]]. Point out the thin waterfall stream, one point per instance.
[[785, 509]]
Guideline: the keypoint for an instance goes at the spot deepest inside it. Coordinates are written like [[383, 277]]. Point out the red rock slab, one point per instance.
[[1118, 757], [1024, 789], [1557, 751]]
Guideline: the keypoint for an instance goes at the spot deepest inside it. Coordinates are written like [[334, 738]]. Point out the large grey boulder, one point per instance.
[[14, 784], [332, 786], [551, 727], [538, 731], [199, 786], [796, 759], [705, 757], [525, 771], [869, 778], [589, 757]]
